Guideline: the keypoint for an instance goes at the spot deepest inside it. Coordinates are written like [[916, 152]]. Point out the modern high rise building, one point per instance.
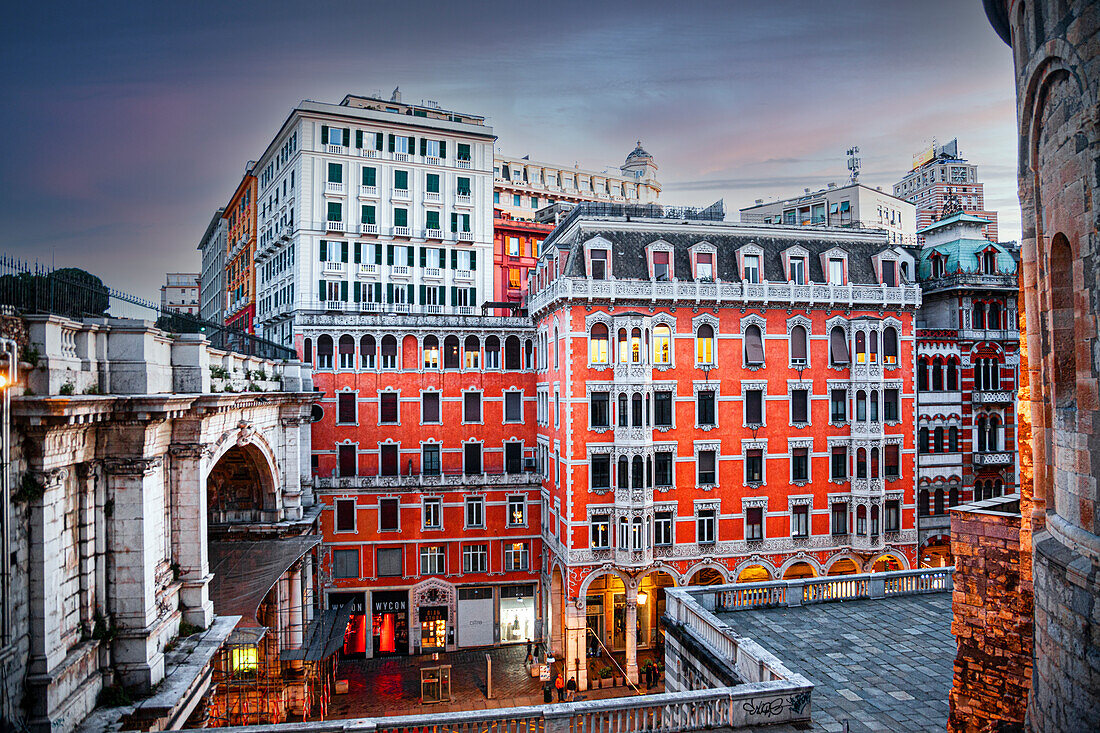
[[212, 247], [240, 269], [180, 293], [968, 357], [938, 173], [373, 206], [854, 205]]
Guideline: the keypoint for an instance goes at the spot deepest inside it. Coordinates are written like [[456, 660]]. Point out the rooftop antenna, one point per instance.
[[853, 164]]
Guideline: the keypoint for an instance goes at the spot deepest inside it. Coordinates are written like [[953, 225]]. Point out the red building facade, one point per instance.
[[516, 245], [423, 452], [240, 256], [717, 402]]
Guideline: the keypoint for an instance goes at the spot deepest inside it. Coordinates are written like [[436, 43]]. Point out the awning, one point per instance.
[[324, 635], [246, 570]]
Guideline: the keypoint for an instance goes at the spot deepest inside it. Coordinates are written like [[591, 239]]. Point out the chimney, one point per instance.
[[759, 201], [832, 185]]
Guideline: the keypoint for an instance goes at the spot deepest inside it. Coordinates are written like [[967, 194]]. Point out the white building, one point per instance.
[[180, 293], [854, 205], [212, 278], [374, 206]]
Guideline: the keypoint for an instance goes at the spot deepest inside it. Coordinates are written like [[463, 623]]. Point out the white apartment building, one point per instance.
[[853, 205], [523, 186], [212, 247], [373, 206], [180, 293]]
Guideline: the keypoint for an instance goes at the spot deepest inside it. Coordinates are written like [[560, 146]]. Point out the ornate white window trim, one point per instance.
[[751, 248], [703, 247], [660, 245], [793, 253], [599, 243]]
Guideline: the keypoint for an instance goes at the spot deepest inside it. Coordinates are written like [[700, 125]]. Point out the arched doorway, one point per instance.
[[241, 488], [886, 563], [799, 570], [556, 632], [754, 574], [936, 553], [843, 566], [707, 576], [651, 608]]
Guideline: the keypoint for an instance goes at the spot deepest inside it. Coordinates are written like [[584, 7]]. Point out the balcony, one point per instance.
[[988, 334], [632, 558], [432, 160], [370, 153], [867, 542], [872, 487], [993, 397], [633, 434], [333, 188], [336, 150], [459, 163], [434, 309], [433, 273], [463, 199], [433, 234], [997, 458], [466, 310], [368, 229], [335, 268], [464, 274], [432, 197], [402, 232], [335, 305], [334, 226], [464, 236], [370, 270], [370, 307], [400, 271], [401, 194], [528, 479], [402, 157], [368, 192]]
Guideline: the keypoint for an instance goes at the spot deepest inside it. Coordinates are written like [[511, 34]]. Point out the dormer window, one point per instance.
[[889, 273], [937, 265], [704, 266], [797, 270], [661, 269], [750, 269], [598, 264], [989, 262], [836, 271]]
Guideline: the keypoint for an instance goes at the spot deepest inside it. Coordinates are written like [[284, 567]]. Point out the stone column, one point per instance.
[[189, 531], [573, 653], [46, 518], [632, 634]]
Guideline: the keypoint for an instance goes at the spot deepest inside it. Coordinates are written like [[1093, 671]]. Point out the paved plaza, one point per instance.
[[880, 665]]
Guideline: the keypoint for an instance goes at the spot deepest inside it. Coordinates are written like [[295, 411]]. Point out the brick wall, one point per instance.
[[992, 623]]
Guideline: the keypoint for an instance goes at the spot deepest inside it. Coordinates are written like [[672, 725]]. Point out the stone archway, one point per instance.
[[754, 574], [241, 487], [888, 561], [800, 569], [556, 632], [843, 566]]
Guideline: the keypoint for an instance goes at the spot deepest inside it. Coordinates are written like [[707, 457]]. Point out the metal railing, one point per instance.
[[34, 288], [805, 591]]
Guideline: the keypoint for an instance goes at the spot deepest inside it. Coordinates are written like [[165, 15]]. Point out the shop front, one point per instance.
[[476, 613], [390, 622], [517, 613], [355, 637], [433, 628]]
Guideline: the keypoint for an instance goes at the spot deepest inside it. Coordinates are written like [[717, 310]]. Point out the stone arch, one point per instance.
[[805, 559], [689, 575], [557, 609], [241, 485], [836, 564], [599, 572], [886, 556]]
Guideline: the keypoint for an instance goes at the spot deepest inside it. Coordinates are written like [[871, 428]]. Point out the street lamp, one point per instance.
[[642, 597]]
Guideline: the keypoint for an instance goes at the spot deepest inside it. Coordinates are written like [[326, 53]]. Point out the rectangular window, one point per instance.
[[839, 463], [600, 531], [892, 467], [389, 562], [431, 220], [387, 413], [429, 408], [429, 460], [706, 467], [345, 409], [400, 218], [662, 528], [661, 266], [471, 458], [754, 523], [662, 409], [432, 509], [370, 176], [838, 405], [368, 216], [513, 246], [662, 469], [471, 407], [335, 211], [600, 410], [890, 405], [389, 459], [751, 269], [513, 407], [517, 511], [347, 460], [800, 405], [840, 518], [516, 199], [389, 511], [704, 526], [599, 264], [335, 173], [475, 558], [345, 515], [516, 556], [800, 464], [601, 471], [754, 466], [836, 271], [797, 274], [800, 521], [345, 563], [893, 516], [401, 180], [889, 274], [432, 561], [513, 457], [475, 512], [704, 266], [705, 407], [754, 407]]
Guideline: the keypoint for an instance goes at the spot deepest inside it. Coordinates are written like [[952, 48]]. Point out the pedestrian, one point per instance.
[[571, 688], [559, 683], [530, 658]]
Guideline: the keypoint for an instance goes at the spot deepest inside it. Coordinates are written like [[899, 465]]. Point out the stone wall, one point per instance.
[[992, 606]]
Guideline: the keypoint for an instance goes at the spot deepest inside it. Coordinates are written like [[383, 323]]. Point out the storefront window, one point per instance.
[[389, 622], [433, 627], [517, 613]]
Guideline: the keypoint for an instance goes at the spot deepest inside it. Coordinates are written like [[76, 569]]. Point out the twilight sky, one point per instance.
[[129, 123]]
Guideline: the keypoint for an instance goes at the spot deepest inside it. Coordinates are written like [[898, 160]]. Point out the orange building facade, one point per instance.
[[240, 270], [717, 402], [423, 452], [516, 245]]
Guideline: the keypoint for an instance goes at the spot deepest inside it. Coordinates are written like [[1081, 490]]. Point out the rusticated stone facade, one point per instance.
[[1056, 50], [992, 617]]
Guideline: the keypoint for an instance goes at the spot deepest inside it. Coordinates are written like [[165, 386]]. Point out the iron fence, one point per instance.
[[34, 288]]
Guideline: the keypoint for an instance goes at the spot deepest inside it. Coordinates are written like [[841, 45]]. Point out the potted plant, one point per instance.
[[605, 673]]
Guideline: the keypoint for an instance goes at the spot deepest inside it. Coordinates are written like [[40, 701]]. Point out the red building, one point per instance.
[[516, 245], [423, 452], [717, 402], [240, 268]]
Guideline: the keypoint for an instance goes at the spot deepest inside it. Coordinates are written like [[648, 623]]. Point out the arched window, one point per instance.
[[346, 348], [624, 534], [937, 374], [979, 315], [861, 347], [937, 440], [624, 411], [431, 352], [922, 503], [994, 433], [861, 519], [874, 405], [861, 406], [922, 440], [307, 351], [367, 352], [637, 470], [799, 349], [983, 437], [624, 472], [754, 345], [953, 497], [704, 344], [492, 353], [597, 344], [874, 521], [989, 265], [528, 354], [451, 357], [939, 501], [624, 347], [873, 338], [1061, 326], [861, 463], [324, 352], [890, 346], [512, 361], [993, 320], [874, 463], [389, 352], [953, 439], [470, 348], [952, 374], [636, 534], [922, 374], [838, 347], [998, 488], [662, 345], [636, 410]]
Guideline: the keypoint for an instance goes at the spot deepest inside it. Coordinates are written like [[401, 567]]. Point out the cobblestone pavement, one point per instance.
[[391, 686], [879, 665]]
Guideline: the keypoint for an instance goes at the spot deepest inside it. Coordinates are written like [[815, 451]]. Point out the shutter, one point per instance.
[[389, 292], [409, 294], [344, 290], [442, 148], [377, 141], [473, 296], [838, 346], [358, 138], [454, 222], [358, 253], [389, 254], [391, 142], [324, 134], [754, 346], [321, 290], [423, 146], [442, 258], [344, 252], [454, 295], [357, 290], [347, 136], [423, 294], [378, 255], [473, 260], [454, 259], [442, 293], [411, 256], [324, 251], [423, 257], [412, 144], [378, 292]]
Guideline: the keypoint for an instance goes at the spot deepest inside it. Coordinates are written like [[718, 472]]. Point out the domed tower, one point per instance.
[[639, 165], [1056, 50]]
